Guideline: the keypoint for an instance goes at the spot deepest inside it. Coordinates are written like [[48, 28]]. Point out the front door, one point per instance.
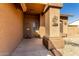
[[30, 25]]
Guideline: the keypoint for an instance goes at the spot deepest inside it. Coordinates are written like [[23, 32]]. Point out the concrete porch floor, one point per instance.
[[31, 47]]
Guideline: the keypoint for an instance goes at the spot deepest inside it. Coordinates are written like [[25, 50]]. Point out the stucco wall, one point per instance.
[[73, 31], [65, 27], [10, 28], [42, 25], [47, 28], [54, 30]]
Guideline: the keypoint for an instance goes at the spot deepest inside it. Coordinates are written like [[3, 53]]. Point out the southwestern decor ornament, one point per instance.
[[55, 21]]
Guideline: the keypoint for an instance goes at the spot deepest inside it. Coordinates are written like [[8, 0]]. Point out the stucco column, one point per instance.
[[65, 27], [54, 22], [52, 25], [42, 25]]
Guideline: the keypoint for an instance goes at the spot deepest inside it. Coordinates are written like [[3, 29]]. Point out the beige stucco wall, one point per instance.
[[42, 25], [73, 31], [47, 28], [54, 30], [10, 28], [65, 27]]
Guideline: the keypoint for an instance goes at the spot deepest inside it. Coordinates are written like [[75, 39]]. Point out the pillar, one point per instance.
[[64, 22], [65, 27], [42, 25], [52, 25]]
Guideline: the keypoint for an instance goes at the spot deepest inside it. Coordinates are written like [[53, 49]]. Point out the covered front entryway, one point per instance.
[[27, 20], [38, 22], [31, 45], [31, 21]]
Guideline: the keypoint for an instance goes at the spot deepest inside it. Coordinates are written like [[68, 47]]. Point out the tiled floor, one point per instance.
[[31, 47]]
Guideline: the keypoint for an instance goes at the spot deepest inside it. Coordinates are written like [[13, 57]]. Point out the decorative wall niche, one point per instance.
[[55, 21]]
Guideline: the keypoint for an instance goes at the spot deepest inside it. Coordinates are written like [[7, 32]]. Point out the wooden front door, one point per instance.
[[30, 25]]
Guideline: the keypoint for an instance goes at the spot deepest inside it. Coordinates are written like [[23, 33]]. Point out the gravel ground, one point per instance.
[[71, 47]]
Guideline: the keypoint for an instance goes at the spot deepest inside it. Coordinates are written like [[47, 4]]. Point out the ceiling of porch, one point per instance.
[[38, 8], [33, 8]]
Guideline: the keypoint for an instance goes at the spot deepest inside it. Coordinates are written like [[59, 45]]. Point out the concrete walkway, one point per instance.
[[31, 47]]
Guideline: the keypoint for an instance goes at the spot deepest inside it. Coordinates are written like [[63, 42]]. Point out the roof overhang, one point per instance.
[[32, 8], [52, 5], [37, 8], [65, 15]]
